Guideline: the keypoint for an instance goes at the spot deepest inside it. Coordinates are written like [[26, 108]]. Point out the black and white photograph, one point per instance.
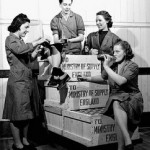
[[74, 74]]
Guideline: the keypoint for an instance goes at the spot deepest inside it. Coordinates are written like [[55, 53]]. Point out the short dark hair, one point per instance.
[[60, 1], [107, 17], [17, 22], [127, 48]]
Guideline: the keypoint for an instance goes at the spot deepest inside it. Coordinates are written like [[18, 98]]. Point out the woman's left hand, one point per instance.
[[108, 60], [38, 49]]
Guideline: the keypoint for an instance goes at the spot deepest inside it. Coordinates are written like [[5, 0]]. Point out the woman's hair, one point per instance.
[[17, 22], [107, 17], [127, 48], [60, 1]]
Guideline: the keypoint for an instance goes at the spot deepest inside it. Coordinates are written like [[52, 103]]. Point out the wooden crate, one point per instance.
[[78, 95], [90, 128], [87, 126], [85, 65], [54, 119]]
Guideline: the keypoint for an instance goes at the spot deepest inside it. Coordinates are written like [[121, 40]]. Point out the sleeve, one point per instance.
[[17, 46], [116, 39], [89, 43], [54, 26], [131, 71], [104, 74], [80, 25]]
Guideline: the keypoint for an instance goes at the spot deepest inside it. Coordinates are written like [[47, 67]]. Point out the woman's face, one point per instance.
[[24, 29], [119, 53], [66, 6], [101, 23]]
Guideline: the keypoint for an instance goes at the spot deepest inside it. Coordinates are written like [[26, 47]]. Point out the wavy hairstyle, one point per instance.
[[17, 22], [127, 48], [60, 1], [107, 17]]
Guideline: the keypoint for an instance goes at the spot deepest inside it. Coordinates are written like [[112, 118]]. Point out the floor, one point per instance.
[[46, 140], [52, 141]]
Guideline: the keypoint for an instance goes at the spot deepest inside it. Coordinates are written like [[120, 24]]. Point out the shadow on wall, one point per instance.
[[134, 39]]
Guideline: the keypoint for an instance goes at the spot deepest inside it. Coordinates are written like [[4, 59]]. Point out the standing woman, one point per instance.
[[18, 99], [103, 40], [66, 26], [125, 103], [70, 26]]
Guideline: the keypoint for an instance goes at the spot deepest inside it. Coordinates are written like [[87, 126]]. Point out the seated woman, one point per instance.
[[125, 103]]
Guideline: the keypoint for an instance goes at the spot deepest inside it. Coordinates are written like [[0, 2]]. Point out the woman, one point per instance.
[[102, 41], [70, 26], [67, 27], [125, 103], [18, 108]]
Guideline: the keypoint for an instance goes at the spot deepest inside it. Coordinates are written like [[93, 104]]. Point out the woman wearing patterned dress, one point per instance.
[[125, 103]]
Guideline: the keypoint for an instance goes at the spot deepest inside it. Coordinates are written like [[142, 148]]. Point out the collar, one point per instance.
[[12, 34], [97, 33], [102, 32], [70, 15]]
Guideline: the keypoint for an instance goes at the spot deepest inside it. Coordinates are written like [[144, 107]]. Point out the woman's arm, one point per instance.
[[120, 80], [94, 79], [35, 52], [113, 75], [38, 41], [73, 40], [79, 38]]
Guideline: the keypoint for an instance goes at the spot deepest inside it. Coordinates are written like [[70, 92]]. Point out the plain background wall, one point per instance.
[[131, 22]]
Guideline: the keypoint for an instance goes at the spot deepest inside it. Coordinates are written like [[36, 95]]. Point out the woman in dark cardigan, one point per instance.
[[103, 40], [125, 103]]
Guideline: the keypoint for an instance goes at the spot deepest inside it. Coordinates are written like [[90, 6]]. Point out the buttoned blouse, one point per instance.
[[69, 28]]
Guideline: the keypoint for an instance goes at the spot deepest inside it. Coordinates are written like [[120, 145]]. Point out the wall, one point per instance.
[[131, 22]]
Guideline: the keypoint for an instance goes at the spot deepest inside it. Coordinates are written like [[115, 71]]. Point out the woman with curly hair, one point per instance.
[[18, 106], [125, 103], [103, 40]]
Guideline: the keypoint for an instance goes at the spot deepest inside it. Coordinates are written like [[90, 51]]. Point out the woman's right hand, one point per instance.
[[94, 51], [39, 41]]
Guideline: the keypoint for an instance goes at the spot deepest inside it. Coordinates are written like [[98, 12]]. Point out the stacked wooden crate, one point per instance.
[[75, 111]]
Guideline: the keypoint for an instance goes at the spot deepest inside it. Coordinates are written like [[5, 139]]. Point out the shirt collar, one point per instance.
[[12, 34], [70, 15]]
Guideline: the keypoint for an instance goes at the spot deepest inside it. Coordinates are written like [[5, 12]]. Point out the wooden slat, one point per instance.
[[124, 10], [55, 110], [77, 115]]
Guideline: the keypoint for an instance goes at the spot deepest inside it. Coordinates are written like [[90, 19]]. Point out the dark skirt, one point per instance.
[[132, 104], [22, 100]]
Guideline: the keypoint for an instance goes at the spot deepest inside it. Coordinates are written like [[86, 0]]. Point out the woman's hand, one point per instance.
[[35, 52], [108, 60], [38, 49], [94, 51], [38, 42]]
